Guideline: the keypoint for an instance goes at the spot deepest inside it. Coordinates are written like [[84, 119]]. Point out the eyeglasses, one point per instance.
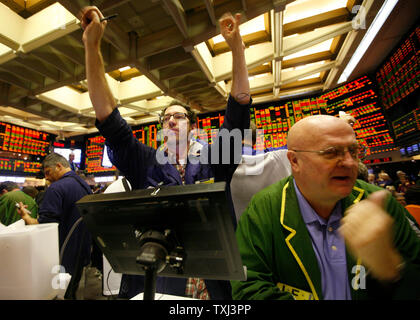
[[335, 152], [176, 115]]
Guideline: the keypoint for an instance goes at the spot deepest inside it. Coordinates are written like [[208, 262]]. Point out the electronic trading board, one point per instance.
[[147, 134], [400, 74], [23, 140], [209, 126], [25, 146], [357, 98], [408, 126]]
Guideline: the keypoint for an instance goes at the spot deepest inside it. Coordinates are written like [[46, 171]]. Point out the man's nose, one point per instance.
[[346, 158], [172, 122]]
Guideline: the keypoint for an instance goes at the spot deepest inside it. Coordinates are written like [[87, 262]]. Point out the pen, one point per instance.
[[109, 17]]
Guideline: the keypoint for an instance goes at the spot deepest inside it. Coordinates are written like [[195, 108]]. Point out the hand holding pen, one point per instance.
[[109, 17], [21, 209], [93, 23]]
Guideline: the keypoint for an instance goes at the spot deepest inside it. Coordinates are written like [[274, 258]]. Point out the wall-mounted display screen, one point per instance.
[[94, 153], [24, 167], [148, 134], [378, 160], [399, 75], [65, 152], [407, 127], [24, 140], [22, 149], [209, 125], [97, 160], [357, 98]]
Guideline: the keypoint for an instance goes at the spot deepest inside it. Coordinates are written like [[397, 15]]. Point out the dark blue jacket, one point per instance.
[[137, 162], [59, 206]]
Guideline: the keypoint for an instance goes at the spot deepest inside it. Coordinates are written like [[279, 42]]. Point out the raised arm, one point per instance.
[[100, 94], [229, 27]]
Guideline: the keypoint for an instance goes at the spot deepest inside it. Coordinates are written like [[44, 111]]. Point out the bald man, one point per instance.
[[323, 234]]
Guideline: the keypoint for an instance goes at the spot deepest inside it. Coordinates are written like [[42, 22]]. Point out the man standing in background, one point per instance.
[[10, 194], [73, 166], [59, 205]]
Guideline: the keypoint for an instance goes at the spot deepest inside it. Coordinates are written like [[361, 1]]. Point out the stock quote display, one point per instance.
[[357, 98], [209, 126], [398, 82], [22, 149], [97, 160], [407, 127], [399, 76]]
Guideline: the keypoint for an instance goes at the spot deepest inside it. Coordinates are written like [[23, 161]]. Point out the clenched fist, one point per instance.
[[92, 26], [367, 230]]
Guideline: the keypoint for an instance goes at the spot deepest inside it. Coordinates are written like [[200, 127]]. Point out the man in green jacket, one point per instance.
[[322, 234], [10, 194]]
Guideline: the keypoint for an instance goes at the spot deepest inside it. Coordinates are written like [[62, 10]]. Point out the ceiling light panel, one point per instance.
[[324, 46], [302, 9]]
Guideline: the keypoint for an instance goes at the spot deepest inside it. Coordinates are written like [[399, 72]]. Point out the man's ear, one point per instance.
[[291, 155]]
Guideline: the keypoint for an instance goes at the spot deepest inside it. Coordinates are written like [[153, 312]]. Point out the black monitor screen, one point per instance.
[[197, 216]]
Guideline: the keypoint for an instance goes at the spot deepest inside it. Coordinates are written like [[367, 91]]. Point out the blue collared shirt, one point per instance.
[[329, 249]]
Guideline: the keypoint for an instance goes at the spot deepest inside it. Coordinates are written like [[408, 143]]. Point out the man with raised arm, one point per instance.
[[172, 164]]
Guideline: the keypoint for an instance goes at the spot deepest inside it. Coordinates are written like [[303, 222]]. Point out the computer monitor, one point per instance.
[[194, 218], [409, 150], [65, 152]]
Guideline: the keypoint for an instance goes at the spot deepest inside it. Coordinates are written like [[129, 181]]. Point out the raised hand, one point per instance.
[[367, 230], [92, 26], [229, 28]]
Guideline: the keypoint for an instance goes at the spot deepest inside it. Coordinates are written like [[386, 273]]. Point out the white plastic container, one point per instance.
[[29, 260]]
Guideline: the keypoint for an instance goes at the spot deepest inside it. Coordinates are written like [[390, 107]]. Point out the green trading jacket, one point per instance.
[[8, 212], [276, 248]]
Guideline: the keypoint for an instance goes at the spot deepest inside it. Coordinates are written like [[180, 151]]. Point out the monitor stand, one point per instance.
[[158, 249], [180, 231]]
